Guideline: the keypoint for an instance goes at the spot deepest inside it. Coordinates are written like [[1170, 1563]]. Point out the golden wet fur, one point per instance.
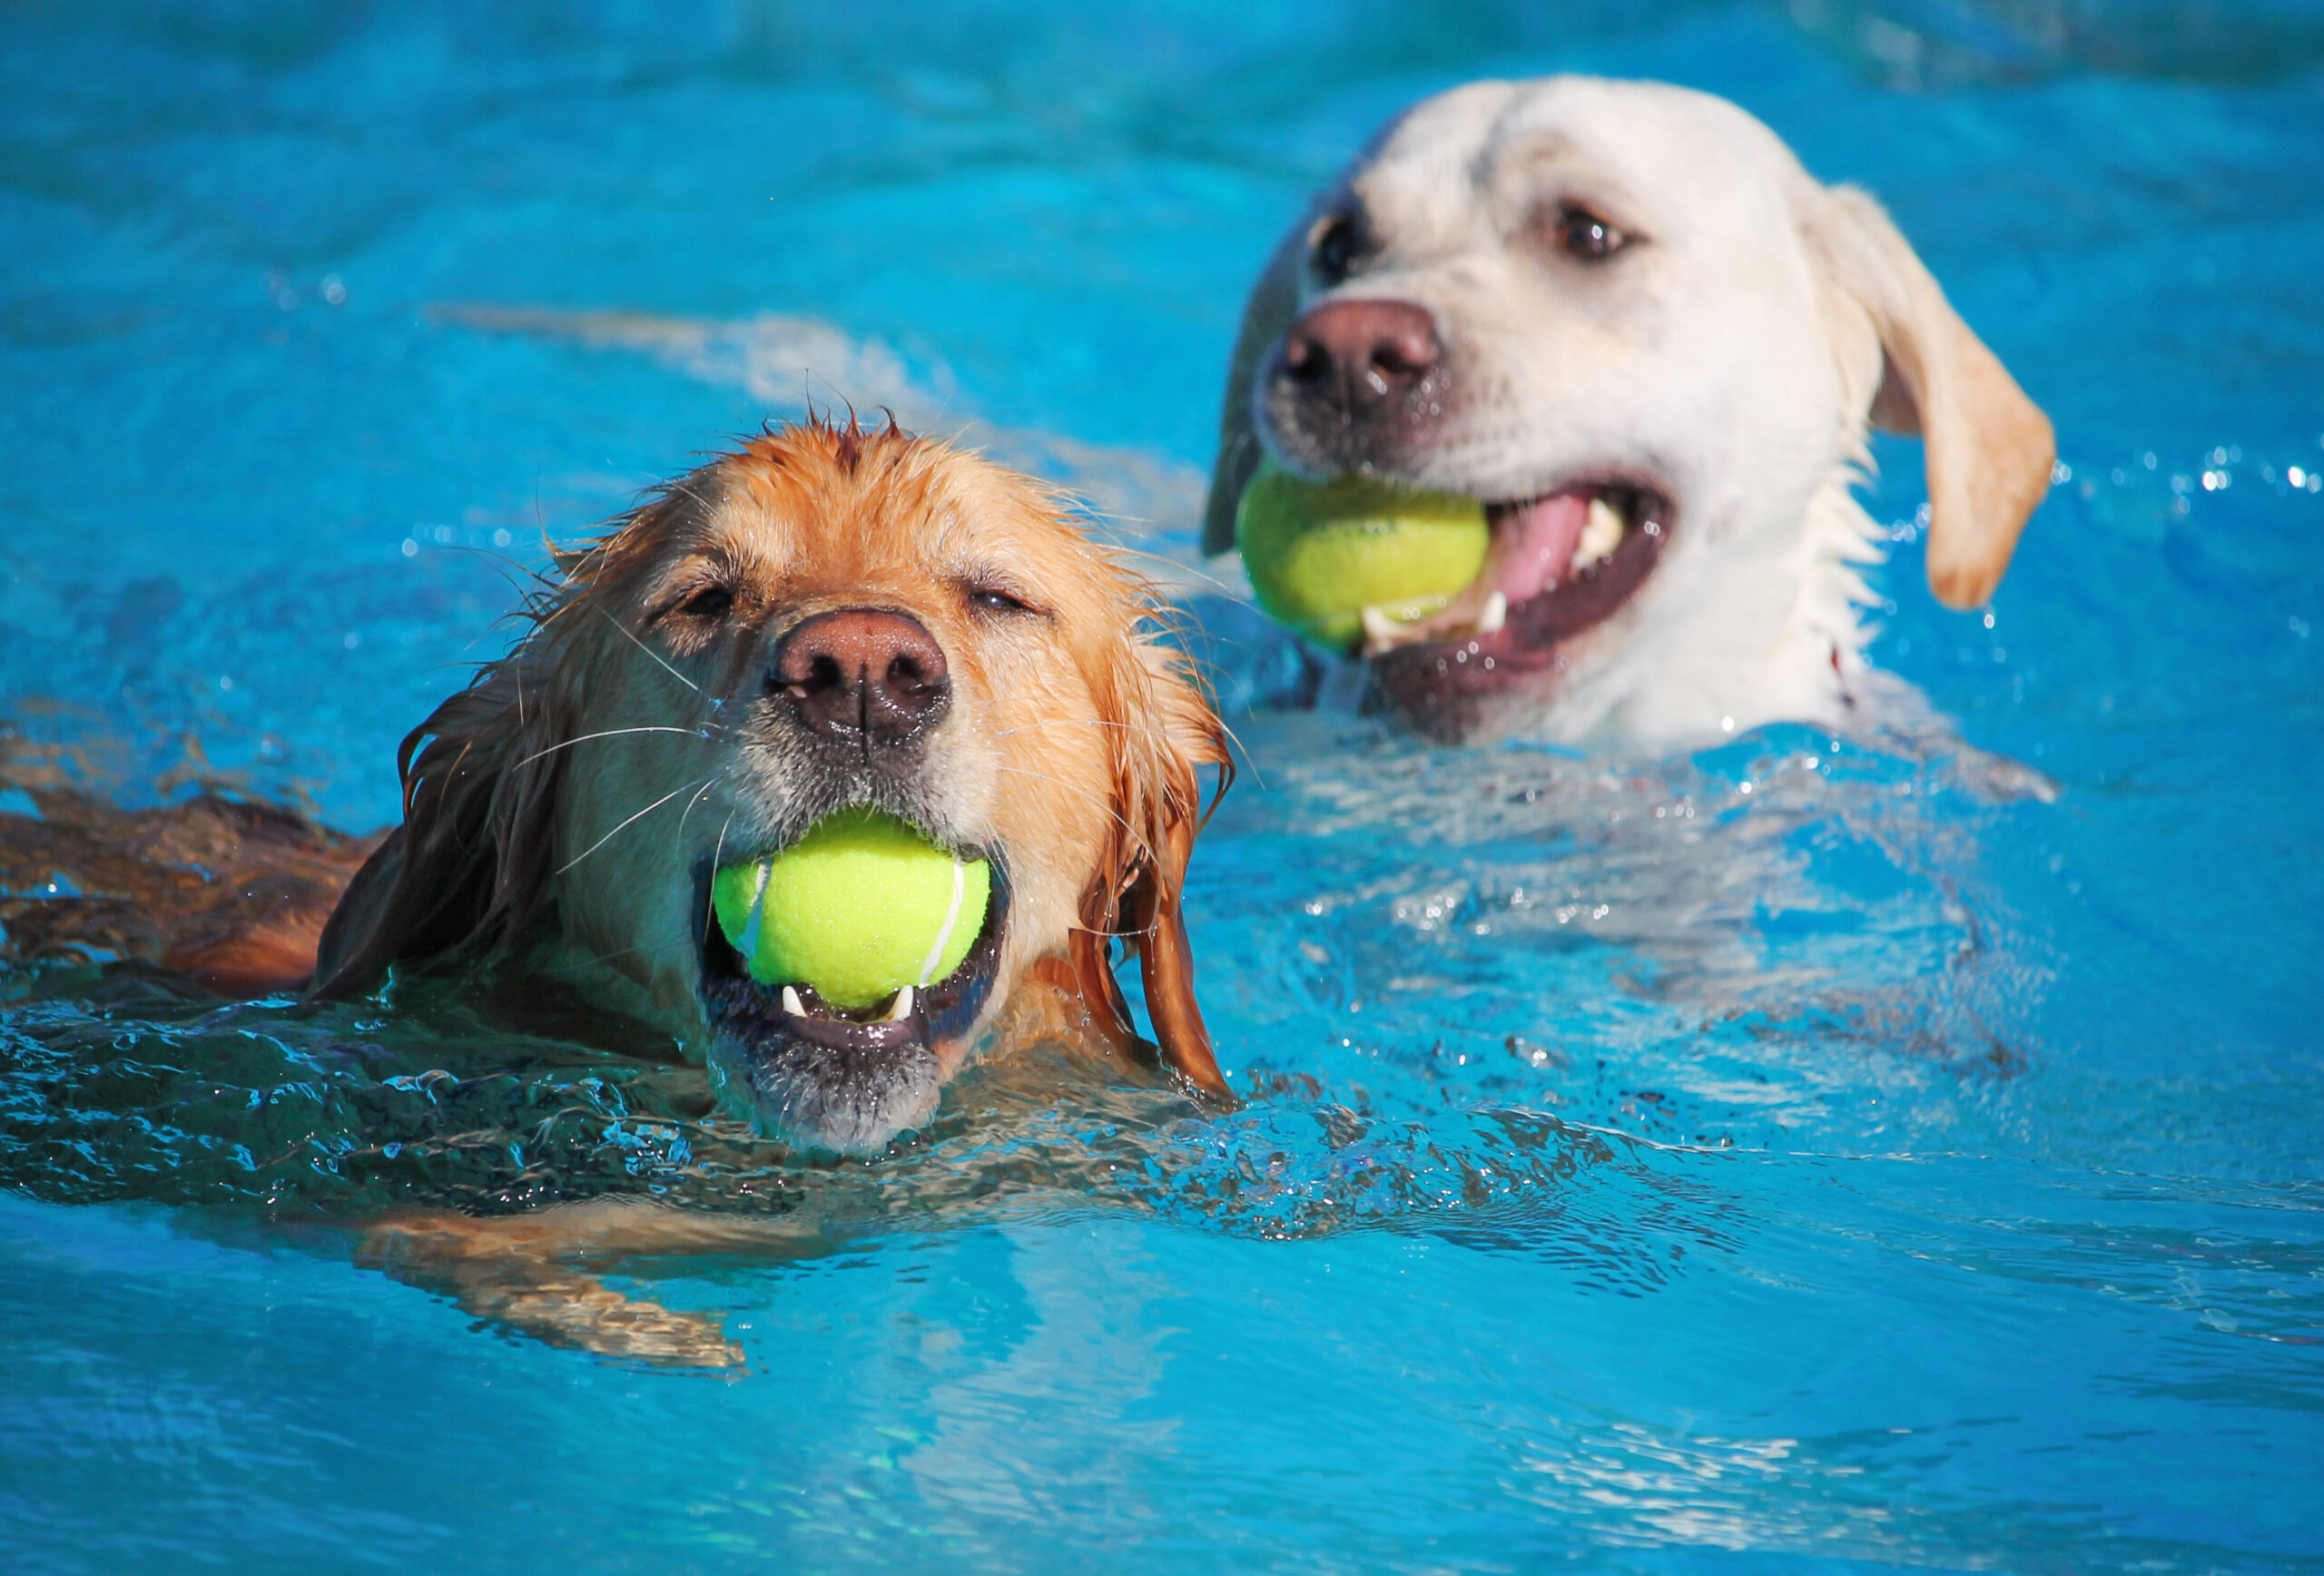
[[559, 810], [562, 811]]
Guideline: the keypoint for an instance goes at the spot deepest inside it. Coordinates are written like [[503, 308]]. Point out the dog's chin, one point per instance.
[[1550, 576], [812, 1074]]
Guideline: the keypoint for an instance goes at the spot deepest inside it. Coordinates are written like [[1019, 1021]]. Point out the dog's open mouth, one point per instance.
[[1557, 564], [848, 1080], [760, 1014]]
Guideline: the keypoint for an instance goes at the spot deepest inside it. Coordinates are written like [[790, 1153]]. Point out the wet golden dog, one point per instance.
[[826, 618]]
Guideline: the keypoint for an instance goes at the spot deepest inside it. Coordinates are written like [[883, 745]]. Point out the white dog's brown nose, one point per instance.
[[863, 675], [1361, 354]]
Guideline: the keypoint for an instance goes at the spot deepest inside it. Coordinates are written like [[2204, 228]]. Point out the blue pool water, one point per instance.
[[1643, 1174]]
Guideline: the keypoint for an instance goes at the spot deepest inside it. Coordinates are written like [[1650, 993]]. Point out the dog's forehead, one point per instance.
[[918, 530], [921, 517], [1480, 158]]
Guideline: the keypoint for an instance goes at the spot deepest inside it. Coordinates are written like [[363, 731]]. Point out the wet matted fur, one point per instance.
[[563, 813]]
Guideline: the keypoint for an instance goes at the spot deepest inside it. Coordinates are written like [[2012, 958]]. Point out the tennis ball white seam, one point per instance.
[[951, 918], [748, 945]]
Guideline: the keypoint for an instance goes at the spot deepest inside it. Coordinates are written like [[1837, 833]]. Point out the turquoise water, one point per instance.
[[1643, 1174]]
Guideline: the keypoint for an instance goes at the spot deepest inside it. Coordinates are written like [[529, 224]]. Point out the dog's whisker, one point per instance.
[[718, 853], [576, 966], [609, 836], [632, 636], [1180, 571], [703, 733], [679, 837]]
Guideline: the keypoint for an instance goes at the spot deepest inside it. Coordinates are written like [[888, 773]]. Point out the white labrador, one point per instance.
[[1624, 316]]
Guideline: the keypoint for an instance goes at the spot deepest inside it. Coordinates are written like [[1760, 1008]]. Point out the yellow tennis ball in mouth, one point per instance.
[[859, 908], [1319, 552]]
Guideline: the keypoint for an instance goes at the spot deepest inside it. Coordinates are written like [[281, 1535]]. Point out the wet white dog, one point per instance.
[[1623, 316]]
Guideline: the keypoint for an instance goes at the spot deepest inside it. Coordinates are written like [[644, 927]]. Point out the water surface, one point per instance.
[[1789, 1154]]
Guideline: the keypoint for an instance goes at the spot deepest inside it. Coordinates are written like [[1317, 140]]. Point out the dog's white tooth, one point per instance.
[[901, 1008], [791, 1002], [1602, 533], [1379, 629], [1496, 613]]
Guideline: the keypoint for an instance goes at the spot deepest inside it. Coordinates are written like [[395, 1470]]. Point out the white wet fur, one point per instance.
[[1735, 354]]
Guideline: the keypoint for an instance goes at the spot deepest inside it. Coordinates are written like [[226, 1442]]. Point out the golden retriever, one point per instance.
[[827, 617], [1622, 316], [823, 619]]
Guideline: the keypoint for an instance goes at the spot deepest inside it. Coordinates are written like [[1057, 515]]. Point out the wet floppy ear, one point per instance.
[[1271, 310], [1162, 732], [468, 871], [468, 867], [1989, 448]]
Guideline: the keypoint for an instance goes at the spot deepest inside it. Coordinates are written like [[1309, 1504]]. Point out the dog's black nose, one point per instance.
[[1359, 354], [864, 674]]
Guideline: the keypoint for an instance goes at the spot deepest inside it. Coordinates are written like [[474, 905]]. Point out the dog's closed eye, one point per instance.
[[707, 604], [987, 597]]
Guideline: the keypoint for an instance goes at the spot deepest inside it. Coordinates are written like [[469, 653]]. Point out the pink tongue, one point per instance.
[[1534, 544]]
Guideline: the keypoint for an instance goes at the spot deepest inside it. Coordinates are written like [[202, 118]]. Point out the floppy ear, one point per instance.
[[468, 867], [1272, 307], [1989, 448], [1163, 731]]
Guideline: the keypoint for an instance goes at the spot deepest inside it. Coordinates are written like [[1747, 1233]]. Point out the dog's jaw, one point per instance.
[[790, 1063]]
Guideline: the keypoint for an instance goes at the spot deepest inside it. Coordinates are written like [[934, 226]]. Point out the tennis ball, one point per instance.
[[858, 908], [1319, 552]]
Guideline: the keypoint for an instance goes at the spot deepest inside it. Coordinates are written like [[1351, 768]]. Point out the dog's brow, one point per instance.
[[979, 575], [1517, 172]]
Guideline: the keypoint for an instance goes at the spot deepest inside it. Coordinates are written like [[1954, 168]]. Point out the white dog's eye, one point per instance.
[[1333, 251], [1582, 233]]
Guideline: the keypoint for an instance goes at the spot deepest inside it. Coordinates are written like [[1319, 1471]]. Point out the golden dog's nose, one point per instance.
[[864, 674], [1361, 353]]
